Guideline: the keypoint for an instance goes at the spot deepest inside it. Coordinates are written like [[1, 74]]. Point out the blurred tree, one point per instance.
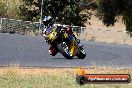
[[28, 10], [12, 8], [9, 8], [108, 10], [67, 11], [3, 9]]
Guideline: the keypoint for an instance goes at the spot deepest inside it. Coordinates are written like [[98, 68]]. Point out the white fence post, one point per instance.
[[124, 39], [81, 34], [0, 23]]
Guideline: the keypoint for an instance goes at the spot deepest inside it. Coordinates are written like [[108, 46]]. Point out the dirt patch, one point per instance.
[[40, 71]]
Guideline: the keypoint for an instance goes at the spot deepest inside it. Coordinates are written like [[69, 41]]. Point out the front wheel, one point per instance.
[[81, 54], [64, 50]]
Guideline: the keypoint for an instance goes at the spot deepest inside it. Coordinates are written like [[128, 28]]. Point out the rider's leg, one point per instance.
[[52, 51], [78, 41]]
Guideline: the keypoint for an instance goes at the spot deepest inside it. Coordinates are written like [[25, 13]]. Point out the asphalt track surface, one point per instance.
[[33, 51]]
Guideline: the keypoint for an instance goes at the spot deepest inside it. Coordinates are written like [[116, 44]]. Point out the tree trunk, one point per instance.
[[128, 23]]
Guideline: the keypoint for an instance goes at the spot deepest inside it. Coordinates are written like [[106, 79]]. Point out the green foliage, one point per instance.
[[12, 9], [108, 10], [9, 9], [67, 11], [3, 9], [24, 12], [128, 22]]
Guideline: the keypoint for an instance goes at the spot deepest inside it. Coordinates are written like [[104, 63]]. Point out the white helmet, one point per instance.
[[47, 20]]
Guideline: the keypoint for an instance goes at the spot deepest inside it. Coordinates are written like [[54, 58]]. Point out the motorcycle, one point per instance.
[[64, 43]]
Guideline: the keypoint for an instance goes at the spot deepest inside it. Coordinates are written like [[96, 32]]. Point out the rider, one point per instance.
[[48, 24]]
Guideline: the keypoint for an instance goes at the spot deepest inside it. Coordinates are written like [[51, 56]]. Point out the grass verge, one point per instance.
[[15, 77]]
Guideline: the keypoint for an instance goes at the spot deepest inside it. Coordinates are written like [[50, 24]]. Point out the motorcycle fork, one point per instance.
[[71, 44], [73, 48]]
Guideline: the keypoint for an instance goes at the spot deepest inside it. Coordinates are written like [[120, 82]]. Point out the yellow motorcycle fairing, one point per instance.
[[65, 35], [73, 48], [52, 36]]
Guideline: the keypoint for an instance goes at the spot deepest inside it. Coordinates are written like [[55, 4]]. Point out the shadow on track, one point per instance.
[[67, 59]]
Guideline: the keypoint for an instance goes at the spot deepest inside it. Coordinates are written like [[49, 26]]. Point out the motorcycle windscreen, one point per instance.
[[49, 30]]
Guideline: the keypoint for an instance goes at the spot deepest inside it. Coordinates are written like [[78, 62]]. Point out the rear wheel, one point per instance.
[[81, 54], [64, 50]]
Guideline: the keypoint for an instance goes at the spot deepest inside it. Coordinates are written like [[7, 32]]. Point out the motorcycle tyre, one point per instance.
[[81, 55], [62, 51]]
